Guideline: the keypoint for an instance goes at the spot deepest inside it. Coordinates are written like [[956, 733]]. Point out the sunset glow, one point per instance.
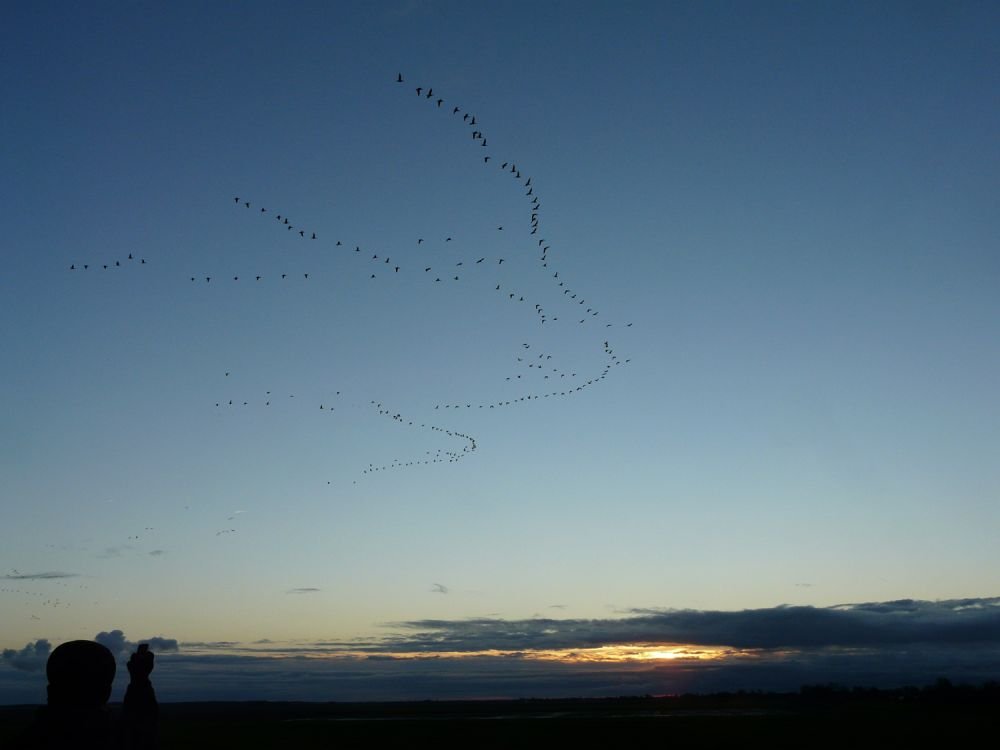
[[631, 652]]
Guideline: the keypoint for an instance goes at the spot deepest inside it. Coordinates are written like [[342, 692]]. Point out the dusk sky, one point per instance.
[[668, 362]]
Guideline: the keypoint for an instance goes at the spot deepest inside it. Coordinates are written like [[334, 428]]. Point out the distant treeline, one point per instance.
[[941, 691]]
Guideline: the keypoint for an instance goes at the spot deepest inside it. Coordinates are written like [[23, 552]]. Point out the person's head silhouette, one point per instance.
[[80, 675]]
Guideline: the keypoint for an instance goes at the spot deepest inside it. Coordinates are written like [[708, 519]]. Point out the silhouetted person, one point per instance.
[[80, 675]]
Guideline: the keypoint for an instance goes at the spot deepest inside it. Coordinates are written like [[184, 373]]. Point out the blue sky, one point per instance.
[[793, 205]]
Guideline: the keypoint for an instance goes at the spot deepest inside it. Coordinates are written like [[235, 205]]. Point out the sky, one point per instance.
[[674, 370]]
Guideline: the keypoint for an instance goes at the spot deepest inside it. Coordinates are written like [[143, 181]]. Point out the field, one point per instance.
[[689, 722]]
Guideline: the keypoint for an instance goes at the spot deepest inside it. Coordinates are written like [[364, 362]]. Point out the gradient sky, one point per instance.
[[794, 205]]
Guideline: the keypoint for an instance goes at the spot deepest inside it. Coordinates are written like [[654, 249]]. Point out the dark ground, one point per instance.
[[884, 720]]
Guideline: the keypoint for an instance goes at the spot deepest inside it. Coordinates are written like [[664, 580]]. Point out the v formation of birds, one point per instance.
[[541, 375]]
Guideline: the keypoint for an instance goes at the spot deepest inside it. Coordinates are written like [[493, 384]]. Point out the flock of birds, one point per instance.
[[561, 382], [539, 373], [30, 599]]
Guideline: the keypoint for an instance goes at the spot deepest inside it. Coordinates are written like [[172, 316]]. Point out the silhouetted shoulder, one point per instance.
[[85, 729]]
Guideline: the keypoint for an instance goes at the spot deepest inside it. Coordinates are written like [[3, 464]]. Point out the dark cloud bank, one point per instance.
[[883, 644], [874, 624]]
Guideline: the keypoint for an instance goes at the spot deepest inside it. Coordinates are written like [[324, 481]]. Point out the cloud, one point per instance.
[[114, 641], [871, 624], [31, 658], [303, 591], [157, 552], [117, 643], [439, 588], [116, 551], [46, 576], [160, 644]]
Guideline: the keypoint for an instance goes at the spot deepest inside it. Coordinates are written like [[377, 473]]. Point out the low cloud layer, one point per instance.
[[871, 624], [307, 677], [307, 590], [880, 644]]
